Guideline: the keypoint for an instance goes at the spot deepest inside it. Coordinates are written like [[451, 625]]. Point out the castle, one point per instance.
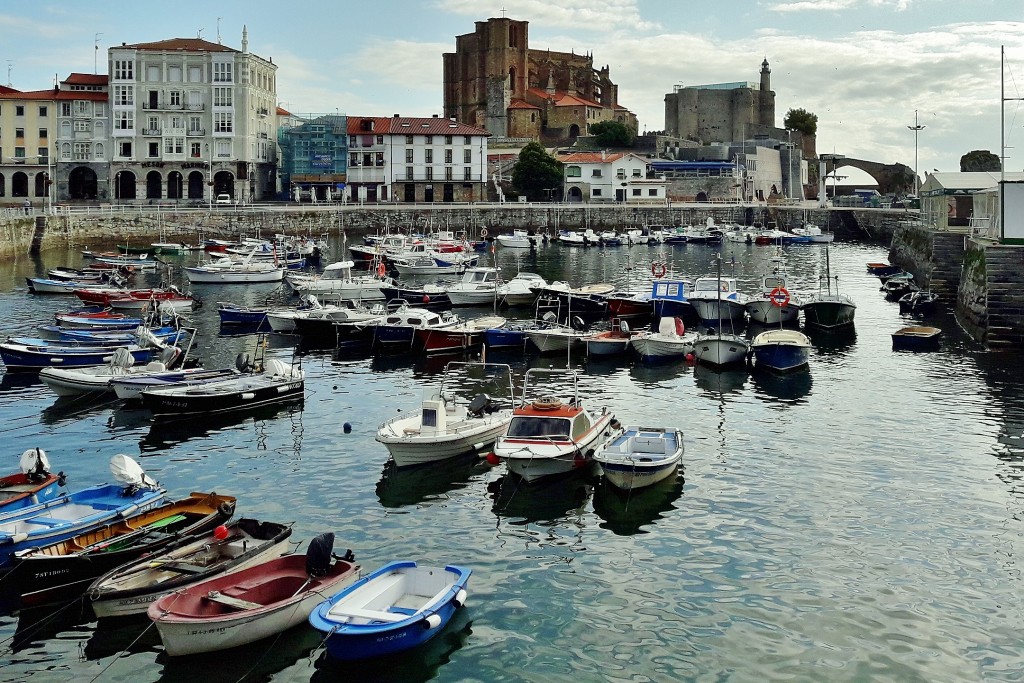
[[494, 81]]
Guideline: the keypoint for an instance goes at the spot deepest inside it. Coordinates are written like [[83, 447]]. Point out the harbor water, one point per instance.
[[856, 522]]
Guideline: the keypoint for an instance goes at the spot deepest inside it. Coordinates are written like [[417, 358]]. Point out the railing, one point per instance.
[[196, 107], [151, 131], [196, 133]]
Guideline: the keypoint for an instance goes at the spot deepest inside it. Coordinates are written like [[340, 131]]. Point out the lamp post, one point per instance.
[[916, 128]]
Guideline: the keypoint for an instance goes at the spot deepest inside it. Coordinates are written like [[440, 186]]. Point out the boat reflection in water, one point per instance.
[[120, 636], [167, 433], [719, 382], [837, 342], [70, 622], [547, 499], [402, 486], [626, 513], [657, 375], [68, 408], [792, 387], [416, 665]]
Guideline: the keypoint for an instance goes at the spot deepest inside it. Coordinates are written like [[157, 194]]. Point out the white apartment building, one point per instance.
[[604, 177], [406, 159], [83, 138], [190, 120]]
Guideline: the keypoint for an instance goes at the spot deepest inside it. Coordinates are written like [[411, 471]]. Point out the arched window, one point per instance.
[[3, 185], [65, 150], [512, 79]]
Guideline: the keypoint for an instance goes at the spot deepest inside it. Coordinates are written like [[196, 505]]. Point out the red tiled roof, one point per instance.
[[283, 112], [50, 94], [521, 104], [406, 125], [82, 95], [86, 79], [185, 44], [4, 89], [564, 99], [590, 158]]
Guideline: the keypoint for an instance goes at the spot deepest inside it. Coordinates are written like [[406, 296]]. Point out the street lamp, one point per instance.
[[916, 128]]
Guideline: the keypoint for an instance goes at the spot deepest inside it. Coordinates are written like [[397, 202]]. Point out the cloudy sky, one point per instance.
[[863, 66]]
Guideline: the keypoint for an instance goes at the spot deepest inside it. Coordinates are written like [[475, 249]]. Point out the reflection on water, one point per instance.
[[545, 500], [788, 387], [719, 381], [111, 637], [166, 433], [628, 512], [66, 408], [403, 486]]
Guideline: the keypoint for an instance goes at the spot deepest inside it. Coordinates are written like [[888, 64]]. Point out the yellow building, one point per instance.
[[27, 132]]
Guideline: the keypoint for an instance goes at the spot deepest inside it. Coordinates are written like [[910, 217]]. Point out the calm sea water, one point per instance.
[[858, 522]]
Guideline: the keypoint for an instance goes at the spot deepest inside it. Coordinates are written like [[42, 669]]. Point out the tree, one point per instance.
[[979, 160], [801, 120], [536, 171], [612, 134]]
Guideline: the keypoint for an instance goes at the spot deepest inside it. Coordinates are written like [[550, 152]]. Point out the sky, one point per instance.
[[869, 69]]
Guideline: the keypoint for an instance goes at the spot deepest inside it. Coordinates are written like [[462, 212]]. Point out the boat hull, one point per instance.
[[226, 277], [533, 461], [650, 347], [765, 312], [829, 314], [207, 399], [781, 350], [23, 358], [720, 350], [412, 451], [715, 310]]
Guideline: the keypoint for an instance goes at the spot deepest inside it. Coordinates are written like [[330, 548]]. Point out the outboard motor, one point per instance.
[[480, 405]]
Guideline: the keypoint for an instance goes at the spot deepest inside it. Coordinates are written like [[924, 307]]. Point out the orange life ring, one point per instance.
[[483, 232], [547, 404], [658, 269], [381, 269], [779, 297]]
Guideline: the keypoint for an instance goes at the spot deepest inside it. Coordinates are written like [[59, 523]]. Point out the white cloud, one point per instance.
[[579, 15], [838, 5]]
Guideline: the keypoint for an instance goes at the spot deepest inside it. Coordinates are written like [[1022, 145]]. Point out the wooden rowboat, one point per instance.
[[916, 338]]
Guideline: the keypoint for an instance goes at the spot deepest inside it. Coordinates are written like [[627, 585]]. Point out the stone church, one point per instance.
[[494, 81]]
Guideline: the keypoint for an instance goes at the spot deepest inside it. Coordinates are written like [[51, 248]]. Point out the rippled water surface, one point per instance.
[[857, 522]]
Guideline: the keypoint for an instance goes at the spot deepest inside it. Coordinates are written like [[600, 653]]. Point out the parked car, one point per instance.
[[223, 199]]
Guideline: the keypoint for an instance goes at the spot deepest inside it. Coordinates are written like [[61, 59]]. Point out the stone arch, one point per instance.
[[82, 183], [41, 182], [174, 185], [196, 184], [3, 185], [512, 79], [154, 181], [124, 185], [19, 184], [224, 183], [702, 196], [574, 131], [575, 194]]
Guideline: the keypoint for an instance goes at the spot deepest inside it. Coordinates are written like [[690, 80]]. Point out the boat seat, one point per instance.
[[237, 603], [19, 488], [646, 445], [184, 567], [359, 612]]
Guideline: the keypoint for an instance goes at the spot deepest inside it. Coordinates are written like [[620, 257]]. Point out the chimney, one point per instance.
[[604, 155], [435, 116], [396, 116]]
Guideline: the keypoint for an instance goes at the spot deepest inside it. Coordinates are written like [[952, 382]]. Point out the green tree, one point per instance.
[[801, 120], [536, 171], [979, 160], [612, 134]]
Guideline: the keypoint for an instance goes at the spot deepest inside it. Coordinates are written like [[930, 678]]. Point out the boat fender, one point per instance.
[[16, 538], [226, 509], [615, 424], [460, 598], [433, 621]]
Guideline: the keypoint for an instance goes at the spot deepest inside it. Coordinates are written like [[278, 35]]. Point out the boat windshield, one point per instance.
[[527, 426]]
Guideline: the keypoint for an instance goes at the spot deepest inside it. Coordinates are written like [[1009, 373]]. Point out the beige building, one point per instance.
[[27, 126]]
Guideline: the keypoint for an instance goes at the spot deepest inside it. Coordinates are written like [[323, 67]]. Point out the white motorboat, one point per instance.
[[521, 290], [776, 302], [519, 239], [641, 456], [96, 380], [477, 287], [446, 424], [781, 350], [814, 234], [611, 342], [718, 299], [548, 436], [228, 271], [553, 338], [669, 341], [283, 319], [338, 279]]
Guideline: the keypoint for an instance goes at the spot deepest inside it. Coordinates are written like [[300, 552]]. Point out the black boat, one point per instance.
[[431, 297], [919, 303], [61, 571]]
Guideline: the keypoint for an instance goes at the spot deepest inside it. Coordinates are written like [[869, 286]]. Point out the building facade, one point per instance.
[[83, 138], [27, 126], [722, 112], [602, 177], [192, 120], [314, 155], [405, 159], [495, 81]]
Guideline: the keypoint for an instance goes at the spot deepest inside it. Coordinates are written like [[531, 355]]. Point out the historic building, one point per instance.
[[192, 119], [722, 112], [83, 138], [616, 177], [494, 81], [27, 122], [415, 160]]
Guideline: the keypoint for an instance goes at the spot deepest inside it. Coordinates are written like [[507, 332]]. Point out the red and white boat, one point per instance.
[[134, 299], [548, 436], [461, 337], [242, 607]]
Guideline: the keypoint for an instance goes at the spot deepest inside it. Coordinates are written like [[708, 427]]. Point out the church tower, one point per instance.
[[765, 97]]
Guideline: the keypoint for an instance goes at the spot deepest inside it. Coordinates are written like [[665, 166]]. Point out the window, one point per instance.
[[222, 97], [42, 110], [223, 122], [380, 159], [81, 151], [195, 123], [195, 74], [174, 146], [596, 192], [380, 139], [408, 172], [65, 150], [430, 172], [352, 140], [174, 98], [596, 173], [65, 109], [19, 152], [636, 191], [223, 149], [124, 149], [44, 154], [222, 72], [19, 110], [620, 174], [429, 139], [638, 173], [447, 172], [652, 193], [19, 132], [447, 139], [124, 94], [42, 134], [124, 120], [572, 172], [81, 108], [408, 156], [468, 140], [124, 70], [467, 156], [154, 150], [99, 109], [408, 139], [447, 156], [428, 156], [99, 150], [195, 150], [82, 126], [174, 74], [467, 173], [353, 159]]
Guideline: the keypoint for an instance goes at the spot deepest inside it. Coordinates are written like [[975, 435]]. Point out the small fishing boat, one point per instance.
[[397, 330], [641, 456], [354, 323], [519, 239], [433, 297], [96, 380], [716, 347], [130, 387], [32, 485], [548, 436], [880, 269], [267, 382], [34, 357], [611, 342], [521, 290], [774, 304], [916, 338], [247, 316], [464, 336], [781, 350], [244, 606], [828, 309], [446, 426], [63, 570], [478, 287], [717, 299], [338, 279], [397, 607], [241, 543], [920, 302], [232, 272], [69, 515], [669, 341], [670, 297]]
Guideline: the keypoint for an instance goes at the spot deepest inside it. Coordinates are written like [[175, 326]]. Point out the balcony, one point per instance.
[[196, 133], [196, 107], [151, 132]]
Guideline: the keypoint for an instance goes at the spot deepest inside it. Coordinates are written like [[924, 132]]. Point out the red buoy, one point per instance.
[[426, 299], [220, 533], [492, 459]]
